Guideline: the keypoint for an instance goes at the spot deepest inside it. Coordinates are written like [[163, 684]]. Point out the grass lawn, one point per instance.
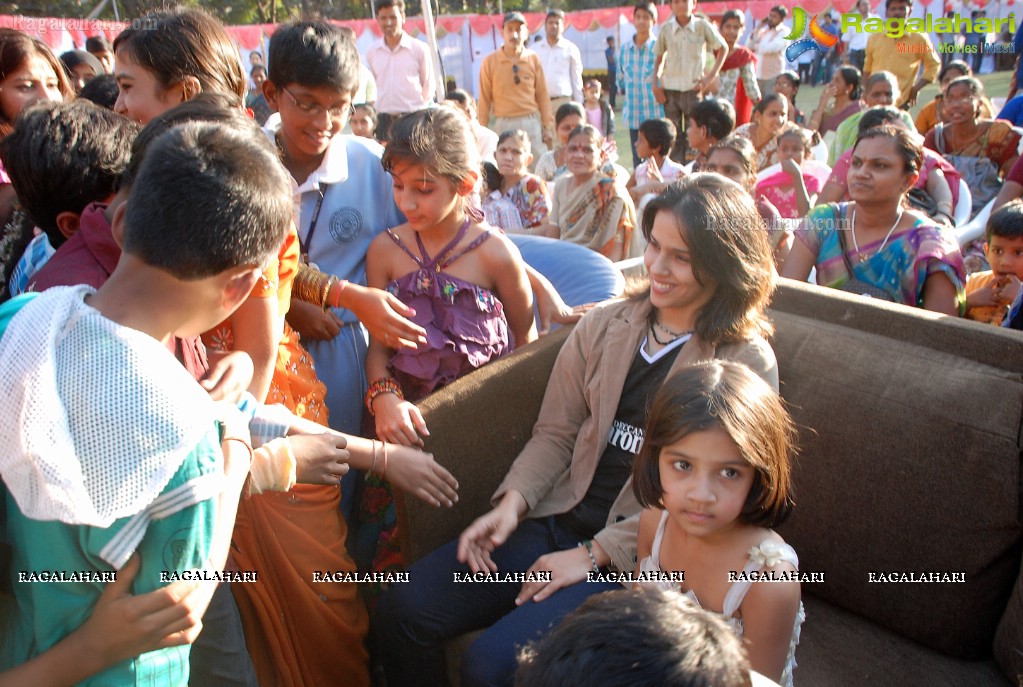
[[996, 85]]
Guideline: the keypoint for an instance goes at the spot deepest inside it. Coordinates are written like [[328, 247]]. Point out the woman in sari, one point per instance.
[[738, 79], [591, 206], [983, 150], [770, 119], [845, 90], [932, 113], [874, 246]]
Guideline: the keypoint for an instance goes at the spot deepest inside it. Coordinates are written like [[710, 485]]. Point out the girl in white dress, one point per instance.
[[713, 475]]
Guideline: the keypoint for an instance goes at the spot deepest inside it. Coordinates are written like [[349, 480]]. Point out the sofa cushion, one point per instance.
[[841, 649], [910, 463]]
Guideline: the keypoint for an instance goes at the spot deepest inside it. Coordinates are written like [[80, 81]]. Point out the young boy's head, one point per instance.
[[711, 120], [63, 156], [1005, 240], [636, 637], [683, 10], [644, 16], [209, 206], [313, 72], [655, 137]]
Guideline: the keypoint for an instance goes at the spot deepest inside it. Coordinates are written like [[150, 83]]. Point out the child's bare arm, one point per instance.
[[768, 617], [255, 329], [396, 420], [803, 200], [512, 287]]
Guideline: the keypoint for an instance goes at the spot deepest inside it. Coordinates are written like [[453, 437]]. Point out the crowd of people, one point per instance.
[[219, 313]]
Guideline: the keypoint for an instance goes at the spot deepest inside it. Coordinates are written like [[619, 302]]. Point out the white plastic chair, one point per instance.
[[961, 212], [820, 151], [974, 229]]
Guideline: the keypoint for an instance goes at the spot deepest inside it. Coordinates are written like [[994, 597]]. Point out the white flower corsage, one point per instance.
[[768, 554]]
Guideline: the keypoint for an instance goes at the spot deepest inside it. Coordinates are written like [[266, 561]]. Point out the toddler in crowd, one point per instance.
[[989, 294], [793, 188], [598, 113]]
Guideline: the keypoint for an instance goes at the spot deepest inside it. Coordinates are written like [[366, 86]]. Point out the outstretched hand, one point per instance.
[[483, 536], [417, 473]]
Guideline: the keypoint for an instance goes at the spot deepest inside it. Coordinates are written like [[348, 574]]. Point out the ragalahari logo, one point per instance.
[[819, 39]]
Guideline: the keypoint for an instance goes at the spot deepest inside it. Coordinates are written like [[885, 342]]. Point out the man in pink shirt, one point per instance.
[[401, 65]]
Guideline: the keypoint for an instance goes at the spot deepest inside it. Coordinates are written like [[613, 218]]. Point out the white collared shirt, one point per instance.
[[404, 75], [562, 67]]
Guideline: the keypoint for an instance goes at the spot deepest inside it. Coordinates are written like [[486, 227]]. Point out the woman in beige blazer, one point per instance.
[[565, 519]]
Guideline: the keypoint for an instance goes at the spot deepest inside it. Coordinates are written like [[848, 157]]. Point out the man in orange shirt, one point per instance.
[[514, 89]]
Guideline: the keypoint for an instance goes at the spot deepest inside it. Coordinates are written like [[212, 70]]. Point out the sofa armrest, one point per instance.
[[477, 425]]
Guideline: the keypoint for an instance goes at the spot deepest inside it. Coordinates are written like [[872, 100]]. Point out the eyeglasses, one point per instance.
[[316, 110], [515, 71], [961, 100]]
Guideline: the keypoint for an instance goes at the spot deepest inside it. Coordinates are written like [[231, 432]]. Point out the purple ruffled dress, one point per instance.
[[465, 323]]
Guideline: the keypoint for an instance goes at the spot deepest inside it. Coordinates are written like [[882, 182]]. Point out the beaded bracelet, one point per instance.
[[589, 549], [384, 385]]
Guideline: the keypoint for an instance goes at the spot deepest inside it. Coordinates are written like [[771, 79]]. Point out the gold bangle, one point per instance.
[[372, 465], [326, 291], [383, 473]]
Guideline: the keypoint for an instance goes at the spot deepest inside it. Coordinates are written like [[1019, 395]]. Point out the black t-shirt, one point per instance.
[[646, 374]]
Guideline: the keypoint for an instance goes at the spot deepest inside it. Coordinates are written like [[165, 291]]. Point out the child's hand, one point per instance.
[[566, 568], [484, 535], [312, 321], [419, 474], [384, 316], [984, 297], [398, 421], [1008, 288], [228, 377], [791, 167], [123, 625], [320, 458]]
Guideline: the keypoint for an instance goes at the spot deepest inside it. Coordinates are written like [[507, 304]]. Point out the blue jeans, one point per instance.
[[415, 619], [219, 657]]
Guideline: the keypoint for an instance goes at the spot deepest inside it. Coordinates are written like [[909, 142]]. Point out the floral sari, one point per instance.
[[901, 269], [597, 213]]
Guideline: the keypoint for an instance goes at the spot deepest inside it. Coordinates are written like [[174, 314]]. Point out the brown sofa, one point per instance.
[[909, 463]]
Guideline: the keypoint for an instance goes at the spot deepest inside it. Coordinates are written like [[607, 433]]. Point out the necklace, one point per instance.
[[856, 247], [672, 336]]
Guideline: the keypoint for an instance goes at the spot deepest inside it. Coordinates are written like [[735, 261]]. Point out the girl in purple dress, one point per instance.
[[465, 281]]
